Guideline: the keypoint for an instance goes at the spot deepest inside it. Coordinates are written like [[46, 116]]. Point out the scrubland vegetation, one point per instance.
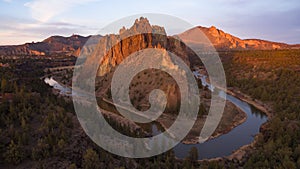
[[272, 77], [40, 130]]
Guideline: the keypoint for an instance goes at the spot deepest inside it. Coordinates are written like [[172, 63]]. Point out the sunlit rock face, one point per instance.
[[140, 36], [224, 41], [116, 48]]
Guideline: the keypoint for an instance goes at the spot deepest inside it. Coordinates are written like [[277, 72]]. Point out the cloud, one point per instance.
[[18, 31], [43, 10], [7, 0]]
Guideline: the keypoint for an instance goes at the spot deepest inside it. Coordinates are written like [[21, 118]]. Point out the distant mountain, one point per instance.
[[50, 46], [72, 45], [224, 41]]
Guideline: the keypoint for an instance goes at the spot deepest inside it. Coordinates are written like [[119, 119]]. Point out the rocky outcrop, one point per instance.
[[115, 48], [54, 45], [140, 36]]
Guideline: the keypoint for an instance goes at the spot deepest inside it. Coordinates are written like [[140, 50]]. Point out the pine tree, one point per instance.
[[193, 155], [72, 166], [3, 85], [91, 159], [14, 153]]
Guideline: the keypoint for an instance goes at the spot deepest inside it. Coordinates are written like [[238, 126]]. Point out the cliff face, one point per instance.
[[50, 46], [140, 36]]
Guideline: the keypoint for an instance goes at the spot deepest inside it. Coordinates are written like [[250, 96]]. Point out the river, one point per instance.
[[221, 146], [225, 144]]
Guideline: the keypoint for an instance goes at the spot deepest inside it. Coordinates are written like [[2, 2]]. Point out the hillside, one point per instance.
[[225, 41], [50, 46]]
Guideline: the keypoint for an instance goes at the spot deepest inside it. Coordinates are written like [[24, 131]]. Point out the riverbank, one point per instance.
[[238, 153], [241, 152], [265, 108], [233, 91], [232, 117]]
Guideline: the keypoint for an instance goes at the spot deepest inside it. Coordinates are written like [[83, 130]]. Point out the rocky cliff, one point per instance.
[[116, 47], [142, 35]]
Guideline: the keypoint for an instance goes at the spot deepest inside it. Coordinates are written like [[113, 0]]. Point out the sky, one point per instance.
[[34, 20]]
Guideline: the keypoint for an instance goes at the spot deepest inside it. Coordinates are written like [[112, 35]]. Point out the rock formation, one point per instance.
[[115, 48], [140, 36]]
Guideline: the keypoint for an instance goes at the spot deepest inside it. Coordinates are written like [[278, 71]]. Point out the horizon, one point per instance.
[[25, 21], [149, 84], [76, 34]]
